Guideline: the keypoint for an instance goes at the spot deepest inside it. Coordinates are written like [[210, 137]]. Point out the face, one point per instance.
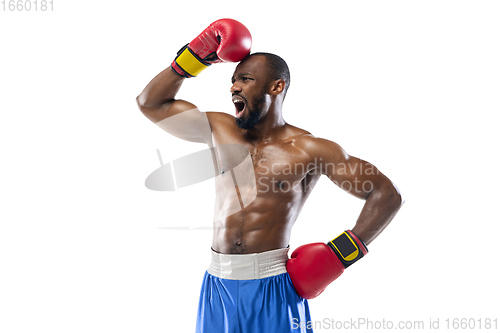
[[249, 91]]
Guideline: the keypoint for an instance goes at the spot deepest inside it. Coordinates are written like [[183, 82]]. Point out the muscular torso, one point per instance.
[[261, 187]]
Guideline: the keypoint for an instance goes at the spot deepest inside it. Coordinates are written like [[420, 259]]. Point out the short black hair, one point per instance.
[[278, 69]]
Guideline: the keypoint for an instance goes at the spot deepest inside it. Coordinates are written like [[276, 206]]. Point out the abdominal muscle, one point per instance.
[[249, 232], [263, 225]]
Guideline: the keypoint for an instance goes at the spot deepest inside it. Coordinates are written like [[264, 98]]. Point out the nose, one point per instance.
[[235, 87]]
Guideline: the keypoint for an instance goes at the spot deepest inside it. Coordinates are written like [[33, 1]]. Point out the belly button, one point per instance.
[[238, 243]]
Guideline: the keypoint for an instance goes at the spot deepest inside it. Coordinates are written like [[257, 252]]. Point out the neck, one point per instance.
[[269, 126]]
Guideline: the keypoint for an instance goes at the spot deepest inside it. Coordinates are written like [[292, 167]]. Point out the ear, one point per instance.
[[277, 87]]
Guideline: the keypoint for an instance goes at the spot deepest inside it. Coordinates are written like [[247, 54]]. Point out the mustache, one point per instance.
[[235, 94]]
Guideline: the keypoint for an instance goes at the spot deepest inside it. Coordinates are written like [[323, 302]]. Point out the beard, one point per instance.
[[254, 114]]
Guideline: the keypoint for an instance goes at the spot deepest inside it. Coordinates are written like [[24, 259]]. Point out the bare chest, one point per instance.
[[277, 166]]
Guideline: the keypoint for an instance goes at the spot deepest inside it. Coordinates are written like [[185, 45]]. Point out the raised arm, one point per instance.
[[223, 40], [177, 117], [157, 101]]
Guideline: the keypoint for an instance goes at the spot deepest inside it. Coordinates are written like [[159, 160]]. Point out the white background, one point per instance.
[[411, 86]]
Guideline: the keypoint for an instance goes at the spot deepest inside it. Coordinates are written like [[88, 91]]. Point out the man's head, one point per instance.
[[277, 69], [260, 82]]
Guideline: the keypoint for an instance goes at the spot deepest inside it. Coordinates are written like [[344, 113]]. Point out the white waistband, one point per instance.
[[248, 266]]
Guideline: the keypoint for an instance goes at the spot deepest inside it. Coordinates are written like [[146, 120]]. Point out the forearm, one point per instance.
[[162, 89], [380, 208]]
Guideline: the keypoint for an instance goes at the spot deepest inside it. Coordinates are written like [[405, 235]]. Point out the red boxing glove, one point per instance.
[[312, 267], [224, 40]]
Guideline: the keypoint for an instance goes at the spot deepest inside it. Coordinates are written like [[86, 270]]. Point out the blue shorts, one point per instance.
[[231, 304]]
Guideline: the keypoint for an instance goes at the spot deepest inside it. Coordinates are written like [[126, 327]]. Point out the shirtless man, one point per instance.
[[251, 284]]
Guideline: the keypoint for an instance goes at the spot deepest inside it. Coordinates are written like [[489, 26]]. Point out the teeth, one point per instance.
[[237, 99]]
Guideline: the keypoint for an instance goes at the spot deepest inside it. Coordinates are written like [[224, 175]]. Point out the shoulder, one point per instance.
[[320, 148]]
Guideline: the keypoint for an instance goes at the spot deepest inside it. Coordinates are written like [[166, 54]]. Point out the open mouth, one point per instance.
[[239, 104]]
